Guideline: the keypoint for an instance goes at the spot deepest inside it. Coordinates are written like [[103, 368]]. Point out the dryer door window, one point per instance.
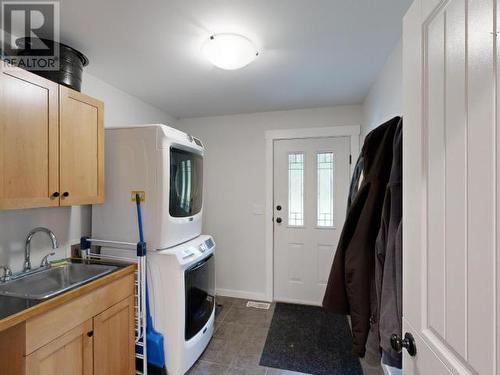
[[186, 183], [200, 295]]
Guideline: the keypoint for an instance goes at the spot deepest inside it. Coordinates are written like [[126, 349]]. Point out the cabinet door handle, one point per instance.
[[90, 333], [55, 194], [65, 194]]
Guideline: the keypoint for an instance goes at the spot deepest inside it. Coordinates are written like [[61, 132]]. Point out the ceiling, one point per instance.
[[314, 53]]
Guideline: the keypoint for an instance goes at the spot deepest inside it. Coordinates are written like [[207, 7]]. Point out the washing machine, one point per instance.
[[182, 300]]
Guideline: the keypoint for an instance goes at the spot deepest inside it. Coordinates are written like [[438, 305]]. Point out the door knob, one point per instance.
[[278, 220], [278, 207], [55, 194], [408, 343], [65, 194]]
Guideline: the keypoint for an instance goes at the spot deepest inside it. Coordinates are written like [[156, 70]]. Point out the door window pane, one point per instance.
[[296, 189], [325, 189]]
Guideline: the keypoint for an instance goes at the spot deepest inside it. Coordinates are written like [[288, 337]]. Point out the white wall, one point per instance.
[[384, 100], [69, 223], [235, 187], [122, 108]]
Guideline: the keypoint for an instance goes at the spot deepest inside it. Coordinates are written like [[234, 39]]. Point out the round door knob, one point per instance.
[[278, 207], [90, 333], [279, 220], [55, 194], [408, 343], [65, 194]]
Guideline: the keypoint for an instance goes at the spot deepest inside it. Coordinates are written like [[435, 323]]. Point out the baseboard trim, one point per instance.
[[242, 294], [298, 302]]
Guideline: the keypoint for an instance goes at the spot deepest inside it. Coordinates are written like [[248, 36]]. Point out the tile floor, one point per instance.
[[239, 337]]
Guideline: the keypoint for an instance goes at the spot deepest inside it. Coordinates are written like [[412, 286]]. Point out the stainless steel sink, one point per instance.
[[52, 281]]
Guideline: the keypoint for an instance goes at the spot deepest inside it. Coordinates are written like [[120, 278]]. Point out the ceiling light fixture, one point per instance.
[[230, 51]]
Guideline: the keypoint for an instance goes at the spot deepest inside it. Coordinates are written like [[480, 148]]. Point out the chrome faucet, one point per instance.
[[7, 274], [27, 248], [45, 260]]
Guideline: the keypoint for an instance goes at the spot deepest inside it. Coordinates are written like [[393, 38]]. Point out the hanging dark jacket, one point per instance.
[[356, 176], [348, 289], [387, 309]]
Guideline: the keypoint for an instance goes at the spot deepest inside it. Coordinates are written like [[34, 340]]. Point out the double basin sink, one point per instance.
[[49, 282]]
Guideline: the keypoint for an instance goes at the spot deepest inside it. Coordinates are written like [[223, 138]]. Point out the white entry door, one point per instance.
[[451, 185], [311, 182]]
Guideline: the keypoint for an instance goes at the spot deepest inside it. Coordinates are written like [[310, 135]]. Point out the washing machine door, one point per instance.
[[200, 295]]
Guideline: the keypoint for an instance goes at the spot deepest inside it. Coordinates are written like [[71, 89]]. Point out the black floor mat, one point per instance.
[[306, 339]]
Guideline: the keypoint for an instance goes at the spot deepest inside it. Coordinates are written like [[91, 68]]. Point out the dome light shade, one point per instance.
[[229, 51]]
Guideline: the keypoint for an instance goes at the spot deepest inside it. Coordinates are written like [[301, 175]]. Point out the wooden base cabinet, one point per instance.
[[71, 354], [114, 352], [90, 335]]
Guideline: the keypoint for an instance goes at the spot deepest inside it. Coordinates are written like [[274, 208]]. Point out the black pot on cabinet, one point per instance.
[[71, 63]]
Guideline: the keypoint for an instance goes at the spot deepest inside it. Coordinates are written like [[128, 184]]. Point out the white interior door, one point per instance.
[[450, 198], [311, 182]]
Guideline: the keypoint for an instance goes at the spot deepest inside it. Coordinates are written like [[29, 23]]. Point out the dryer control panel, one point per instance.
[[191, 251], [206, 245]]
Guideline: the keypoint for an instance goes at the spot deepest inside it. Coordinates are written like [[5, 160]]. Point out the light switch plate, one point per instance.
[[258, 209]]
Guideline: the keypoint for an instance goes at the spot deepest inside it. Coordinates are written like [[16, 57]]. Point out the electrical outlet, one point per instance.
[[142, 195]]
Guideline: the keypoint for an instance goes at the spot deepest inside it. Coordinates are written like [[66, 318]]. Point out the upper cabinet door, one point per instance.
[[81, 148], [29, 140]]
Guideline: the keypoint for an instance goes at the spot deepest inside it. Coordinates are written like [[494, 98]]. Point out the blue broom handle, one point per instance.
[[139, 216], [149, 319]]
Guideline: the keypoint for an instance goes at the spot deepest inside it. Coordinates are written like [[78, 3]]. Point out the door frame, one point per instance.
[[352, 131]]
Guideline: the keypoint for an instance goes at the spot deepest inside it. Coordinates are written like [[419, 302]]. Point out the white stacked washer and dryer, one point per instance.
[[166, 165]]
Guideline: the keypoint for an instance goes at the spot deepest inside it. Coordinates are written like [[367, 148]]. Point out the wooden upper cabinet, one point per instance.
[[81, 132], [51, 143], [29, 140]]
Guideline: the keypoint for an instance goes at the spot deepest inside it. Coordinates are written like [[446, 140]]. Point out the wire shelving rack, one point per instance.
[[86, 245]]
